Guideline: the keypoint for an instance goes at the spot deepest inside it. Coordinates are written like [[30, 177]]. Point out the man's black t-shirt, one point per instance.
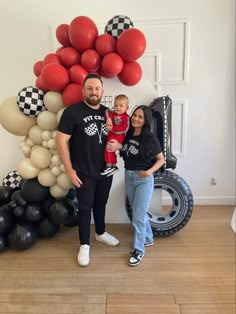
[[87, 128]]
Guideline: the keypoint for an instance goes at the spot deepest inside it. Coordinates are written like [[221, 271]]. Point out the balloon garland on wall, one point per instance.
[[35, 113]]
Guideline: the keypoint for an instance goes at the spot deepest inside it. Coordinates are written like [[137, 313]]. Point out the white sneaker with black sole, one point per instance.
[[136, 258]]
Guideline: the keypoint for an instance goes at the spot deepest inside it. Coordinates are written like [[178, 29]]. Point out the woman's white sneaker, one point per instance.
[[83, 256]]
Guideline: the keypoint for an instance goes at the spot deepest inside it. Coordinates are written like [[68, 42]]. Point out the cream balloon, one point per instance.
[[40, 157], [46, 178], [35, 134], [64, 181], [56, 160], [46, 135], [47, 120], [57, 191], [52, 143], [56, 170], [62, 167], [26, 169], [59, 114], [26, 150], [13, 120], [53, 101], [28, 141]]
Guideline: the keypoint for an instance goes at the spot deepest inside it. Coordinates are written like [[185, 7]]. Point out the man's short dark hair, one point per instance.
[[92, 76]]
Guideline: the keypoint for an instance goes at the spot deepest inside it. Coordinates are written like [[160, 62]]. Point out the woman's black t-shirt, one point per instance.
[[132, 157], [87, 128]]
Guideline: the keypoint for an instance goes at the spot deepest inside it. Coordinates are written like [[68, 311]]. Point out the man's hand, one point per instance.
[[74, 178], [113, 145]]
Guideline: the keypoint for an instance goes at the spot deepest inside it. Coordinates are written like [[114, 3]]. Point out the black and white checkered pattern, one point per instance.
[[30, 101], [12, 179], [117, 25]]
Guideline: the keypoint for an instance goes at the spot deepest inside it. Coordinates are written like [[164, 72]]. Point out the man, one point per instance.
[[83, 127]]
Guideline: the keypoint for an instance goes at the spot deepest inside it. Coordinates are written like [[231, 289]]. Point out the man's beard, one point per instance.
[[93, 102]]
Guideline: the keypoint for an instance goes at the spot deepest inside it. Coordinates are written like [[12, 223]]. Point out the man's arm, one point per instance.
[[63, 150]]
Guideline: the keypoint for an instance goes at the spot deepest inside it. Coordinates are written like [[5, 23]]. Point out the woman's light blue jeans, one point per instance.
[[139, 192]]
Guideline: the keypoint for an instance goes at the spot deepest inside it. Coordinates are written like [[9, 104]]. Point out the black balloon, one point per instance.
[[17, 197], [6, 221], [33, 191], [18, 211], [5, 194], [22, 237], [47, 229], [72, 220], [3, 244], [33, 212], [60, 211]]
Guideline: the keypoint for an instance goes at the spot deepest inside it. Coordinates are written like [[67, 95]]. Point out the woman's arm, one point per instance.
[[160, 160]]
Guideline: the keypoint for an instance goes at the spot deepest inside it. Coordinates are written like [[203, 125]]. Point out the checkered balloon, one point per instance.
[[117, 25], [12, 179], [30, 101]]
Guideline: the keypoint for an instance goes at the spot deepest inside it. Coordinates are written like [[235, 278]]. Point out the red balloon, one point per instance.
[[39, 83], [90, 60], [101, 73], [105, 44], [55, 77], [72, 94], [51, 58], [82, 33], [77, 74], [70, 56], [112, 64], [131, 44], [62, 35], [38, 67], [59, 50], [131, 73]]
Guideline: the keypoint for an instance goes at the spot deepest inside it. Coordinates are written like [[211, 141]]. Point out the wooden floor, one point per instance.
[[192, 272]]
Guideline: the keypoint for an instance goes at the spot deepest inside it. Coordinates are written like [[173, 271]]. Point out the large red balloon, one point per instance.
[[38, 67], [90, 60], [105, 44], [131, 44], [131, 73], [77, 74], [82, 33], [70, 56], [112, 64], [72, 94], [51, 58], [55, 77], [62, 35], [39, 83]]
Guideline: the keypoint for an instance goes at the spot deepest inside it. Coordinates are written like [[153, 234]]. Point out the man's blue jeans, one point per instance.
[[139, 192]]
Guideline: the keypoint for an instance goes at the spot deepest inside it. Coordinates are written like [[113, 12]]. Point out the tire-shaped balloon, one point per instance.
[[168, 223]]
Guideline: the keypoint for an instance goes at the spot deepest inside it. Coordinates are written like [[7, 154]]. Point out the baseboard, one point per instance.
[[230, 200]]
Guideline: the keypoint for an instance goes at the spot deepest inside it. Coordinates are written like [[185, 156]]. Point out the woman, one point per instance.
[[142, 156]]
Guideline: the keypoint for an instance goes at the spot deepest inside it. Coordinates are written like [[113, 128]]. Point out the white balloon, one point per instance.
[[56, 170], [46, 135], [52, 143]]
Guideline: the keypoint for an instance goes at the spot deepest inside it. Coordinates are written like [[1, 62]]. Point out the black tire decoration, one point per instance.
[[182, 204]]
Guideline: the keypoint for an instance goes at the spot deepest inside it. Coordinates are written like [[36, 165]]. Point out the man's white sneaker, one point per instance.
[[83, 256], [107, 238]]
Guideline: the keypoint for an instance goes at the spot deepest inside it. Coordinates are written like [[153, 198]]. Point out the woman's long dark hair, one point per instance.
[[146, 133]]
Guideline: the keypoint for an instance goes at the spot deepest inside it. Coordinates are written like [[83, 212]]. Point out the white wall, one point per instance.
[[206, 97]]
